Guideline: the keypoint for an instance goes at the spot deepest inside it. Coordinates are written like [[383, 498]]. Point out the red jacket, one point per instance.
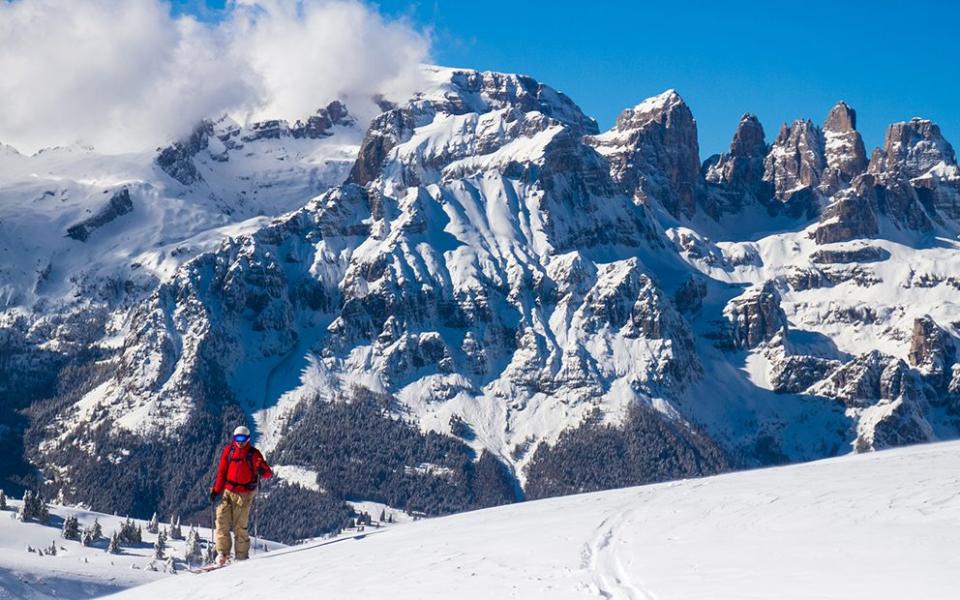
[[239, 467]]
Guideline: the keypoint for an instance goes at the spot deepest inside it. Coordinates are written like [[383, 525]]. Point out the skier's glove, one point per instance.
[[213, 496]]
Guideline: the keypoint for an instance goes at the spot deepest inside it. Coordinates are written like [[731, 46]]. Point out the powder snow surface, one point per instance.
[[77, 571], [881, 525]]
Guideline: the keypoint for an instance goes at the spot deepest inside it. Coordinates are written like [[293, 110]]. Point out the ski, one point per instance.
[[208, 568]]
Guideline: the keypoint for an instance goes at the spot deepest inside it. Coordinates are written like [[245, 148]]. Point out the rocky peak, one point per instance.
[[222, 136], [661, 107], [841, 119], [654, 153], [742, 169], [176, 160], [748, 140], [317, 125], [796, 159], [736, 179], [911, 148], [918, 168], [482, 91], [844, 151], [480, 112]]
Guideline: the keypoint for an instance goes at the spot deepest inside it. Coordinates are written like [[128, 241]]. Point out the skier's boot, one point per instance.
[[222, 559]]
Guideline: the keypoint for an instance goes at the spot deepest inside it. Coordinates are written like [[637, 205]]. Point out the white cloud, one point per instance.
[[125, 75]]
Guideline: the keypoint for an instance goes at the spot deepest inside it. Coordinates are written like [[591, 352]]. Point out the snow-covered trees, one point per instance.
[[130, 532], [114, 546], [160, 546], [33, 508], [3, 500], [71, 529], [193, 552], [175, 531], [154, 525], [91, 534]]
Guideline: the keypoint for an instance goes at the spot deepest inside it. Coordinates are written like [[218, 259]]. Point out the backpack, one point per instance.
[[252, 485]]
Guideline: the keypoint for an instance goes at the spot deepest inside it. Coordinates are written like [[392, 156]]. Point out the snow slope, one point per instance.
[[878, 525], [78, 571], [236, 189]]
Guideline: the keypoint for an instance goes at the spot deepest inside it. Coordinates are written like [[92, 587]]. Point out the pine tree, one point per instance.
[[52, 550], [114, 546], [33, 508], [193, 553], [3, 500], [383, 515], [71, 529], [130, 532], [175, 531], [160, 546], [97, 530], [153, 526], [170, 566], [41, 510], [86, 538], [23, 513]]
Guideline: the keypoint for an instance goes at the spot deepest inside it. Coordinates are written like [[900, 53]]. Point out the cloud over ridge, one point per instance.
[[125, 75]]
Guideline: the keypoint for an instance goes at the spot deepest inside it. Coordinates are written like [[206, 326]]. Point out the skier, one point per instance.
[[241, 467]]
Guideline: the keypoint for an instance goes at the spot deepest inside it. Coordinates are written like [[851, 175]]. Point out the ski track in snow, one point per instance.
[[611, 577]]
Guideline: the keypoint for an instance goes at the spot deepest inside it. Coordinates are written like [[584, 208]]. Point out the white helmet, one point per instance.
[[241, 430]]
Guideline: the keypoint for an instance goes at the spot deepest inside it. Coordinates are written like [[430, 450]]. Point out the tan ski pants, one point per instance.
[[233, 512]]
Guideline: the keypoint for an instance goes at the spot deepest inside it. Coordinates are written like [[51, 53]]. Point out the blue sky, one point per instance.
[[890, 60]]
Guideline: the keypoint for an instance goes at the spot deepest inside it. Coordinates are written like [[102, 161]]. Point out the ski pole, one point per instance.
[[256, 512], [213, 525]]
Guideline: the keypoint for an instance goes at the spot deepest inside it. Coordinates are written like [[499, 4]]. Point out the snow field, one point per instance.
[[879, 525], [78, 571]]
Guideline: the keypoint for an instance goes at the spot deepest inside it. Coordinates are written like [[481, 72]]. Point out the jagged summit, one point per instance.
[[654, 154], [748, 140], [655, 107], [841, 118], [845, 153], [468, 90], [912, 148]]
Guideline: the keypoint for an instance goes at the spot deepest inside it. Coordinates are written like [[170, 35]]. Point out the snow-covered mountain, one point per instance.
[[80, 227], [879, 526], [518, 302]]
